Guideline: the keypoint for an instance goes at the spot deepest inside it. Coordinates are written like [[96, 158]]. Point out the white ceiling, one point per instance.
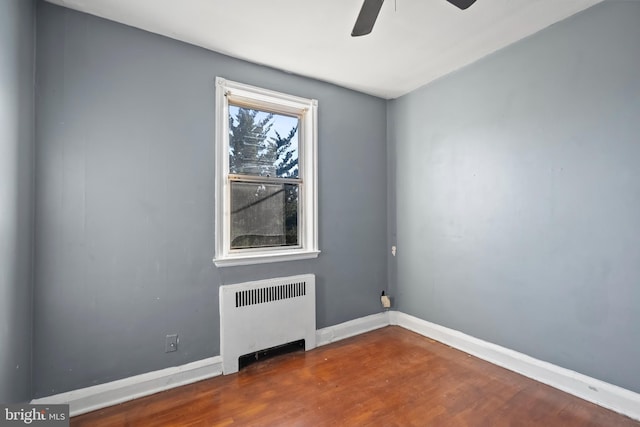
[[412, 43]]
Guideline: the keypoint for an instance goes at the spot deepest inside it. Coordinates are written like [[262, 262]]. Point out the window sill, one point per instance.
[[264, 258]]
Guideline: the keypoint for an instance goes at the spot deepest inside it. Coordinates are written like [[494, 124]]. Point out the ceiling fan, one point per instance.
[[370, 9]]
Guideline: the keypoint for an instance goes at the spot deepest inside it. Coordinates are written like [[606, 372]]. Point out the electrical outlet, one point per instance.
[[171, 343]]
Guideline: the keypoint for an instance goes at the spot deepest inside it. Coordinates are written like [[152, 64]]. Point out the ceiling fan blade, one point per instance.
[[462, 4], [367, 17]]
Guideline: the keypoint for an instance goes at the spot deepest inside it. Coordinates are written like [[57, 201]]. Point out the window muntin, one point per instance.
[[266, 185]]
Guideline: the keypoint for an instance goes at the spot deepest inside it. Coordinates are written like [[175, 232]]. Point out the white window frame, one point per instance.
[[264, 99]]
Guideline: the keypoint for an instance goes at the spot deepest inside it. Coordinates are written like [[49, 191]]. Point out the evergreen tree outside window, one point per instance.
[[266, 196]]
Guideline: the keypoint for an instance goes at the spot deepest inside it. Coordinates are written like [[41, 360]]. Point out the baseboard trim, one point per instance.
[[351, 328], [607, 395], [102, 395]]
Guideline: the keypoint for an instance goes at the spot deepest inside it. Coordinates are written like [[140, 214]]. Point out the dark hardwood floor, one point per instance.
[[388, 377]]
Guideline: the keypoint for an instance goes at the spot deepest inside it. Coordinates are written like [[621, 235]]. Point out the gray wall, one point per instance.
[[124, 200], [17, 27], [518, 196]]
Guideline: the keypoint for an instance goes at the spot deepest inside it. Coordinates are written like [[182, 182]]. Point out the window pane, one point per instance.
[[263, 215], [262, 143]]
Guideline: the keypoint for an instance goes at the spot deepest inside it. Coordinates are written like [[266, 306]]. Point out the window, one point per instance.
[[266, 185]]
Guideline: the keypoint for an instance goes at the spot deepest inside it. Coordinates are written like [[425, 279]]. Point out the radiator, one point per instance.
[[259, 315]]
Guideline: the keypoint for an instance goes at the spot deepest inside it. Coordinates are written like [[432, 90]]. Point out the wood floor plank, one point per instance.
[[387, 377]]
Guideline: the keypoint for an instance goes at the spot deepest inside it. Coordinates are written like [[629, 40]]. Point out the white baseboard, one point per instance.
[[351, 328], [100, 396], [599, 392]]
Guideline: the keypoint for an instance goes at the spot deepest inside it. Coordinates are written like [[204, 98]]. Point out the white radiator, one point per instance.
[[258, 315]]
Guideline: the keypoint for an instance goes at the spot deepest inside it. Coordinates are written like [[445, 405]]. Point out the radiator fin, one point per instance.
[[270, 293]]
